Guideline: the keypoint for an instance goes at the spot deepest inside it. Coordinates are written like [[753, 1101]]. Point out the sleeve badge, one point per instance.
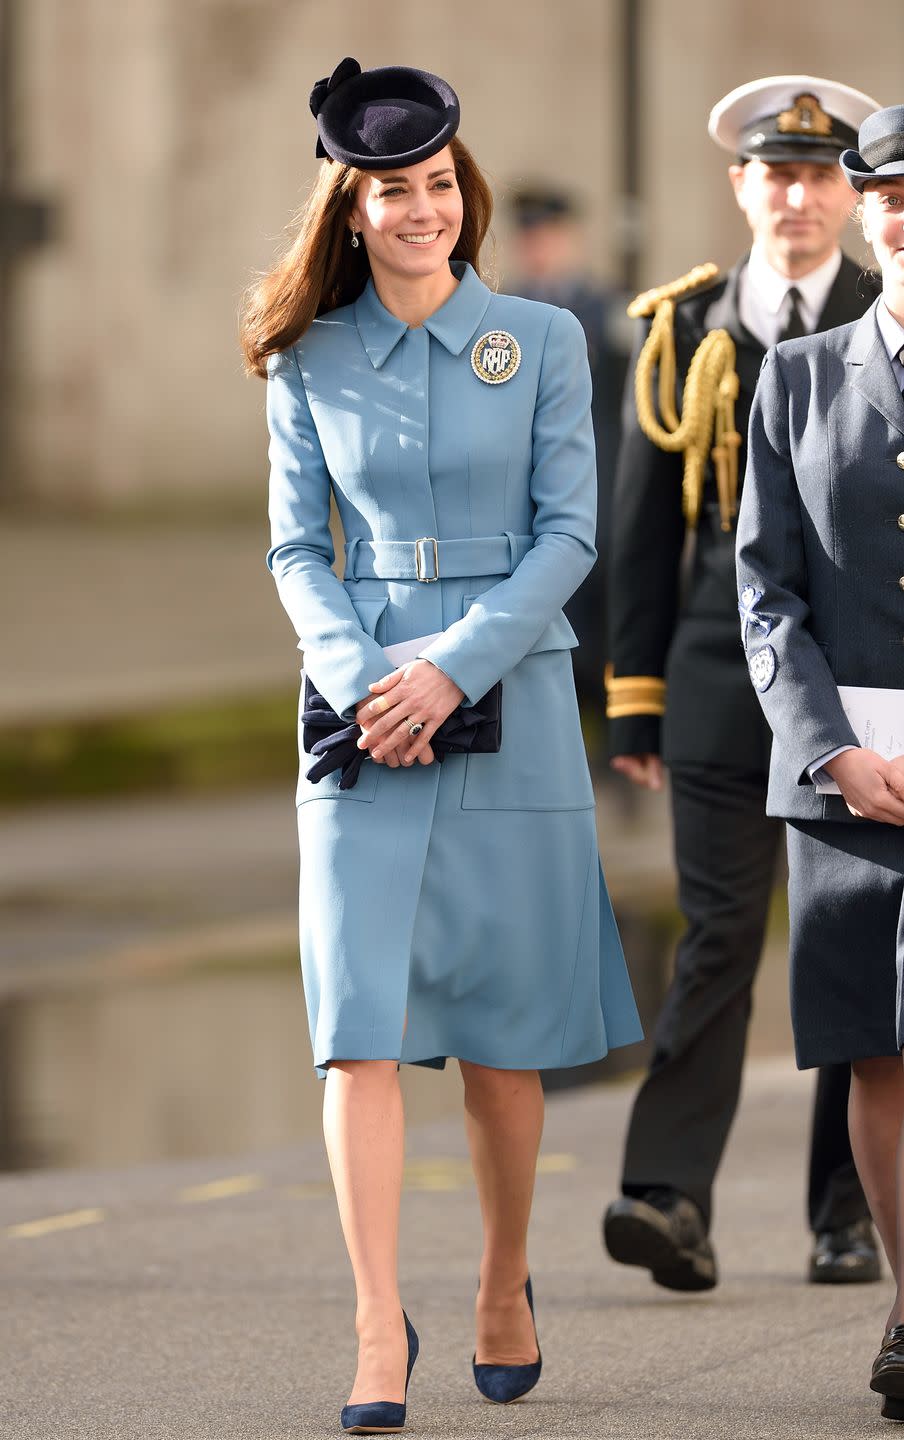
[[750, 599], [762, 667]]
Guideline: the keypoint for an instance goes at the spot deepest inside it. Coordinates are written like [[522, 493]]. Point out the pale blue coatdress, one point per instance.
[[456, 909]]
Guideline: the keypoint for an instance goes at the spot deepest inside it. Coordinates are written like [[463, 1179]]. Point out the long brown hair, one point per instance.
[[321, 270]]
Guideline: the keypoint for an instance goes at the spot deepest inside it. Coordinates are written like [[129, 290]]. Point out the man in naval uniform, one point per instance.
[[678, 691]]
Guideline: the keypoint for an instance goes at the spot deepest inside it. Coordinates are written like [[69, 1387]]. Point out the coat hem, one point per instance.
[[438, 1062], [840, 1047]]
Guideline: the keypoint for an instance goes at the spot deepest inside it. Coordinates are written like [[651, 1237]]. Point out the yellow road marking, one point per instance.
[[556, 1164], [437, 1172], [72, 1220], [310, 1187], [221, 1189]]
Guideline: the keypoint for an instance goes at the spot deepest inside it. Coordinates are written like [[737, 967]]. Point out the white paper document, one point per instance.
[[877, 719], [408, 649]]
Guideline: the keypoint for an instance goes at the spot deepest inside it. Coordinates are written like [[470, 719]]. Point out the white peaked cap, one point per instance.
[[746, 121]]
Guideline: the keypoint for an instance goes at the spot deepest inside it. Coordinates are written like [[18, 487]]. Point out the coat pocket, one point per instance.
[[558, 635], [369, 612], [542, 764]]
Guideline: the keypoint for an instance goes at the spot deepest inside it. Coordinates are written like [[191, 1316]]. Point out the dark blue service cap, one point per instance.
[[383, 119], [541, 204], [880, 148]]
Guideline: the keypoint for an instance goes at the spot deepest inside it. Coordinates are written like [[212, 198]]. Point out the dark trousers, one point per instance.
[[725, 852]]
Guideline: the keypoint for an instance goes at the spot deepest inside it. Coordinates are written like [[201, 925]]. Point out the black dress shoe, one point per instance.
[[665, 1233], [892, 1409], [849, 1256], [888, 1366]]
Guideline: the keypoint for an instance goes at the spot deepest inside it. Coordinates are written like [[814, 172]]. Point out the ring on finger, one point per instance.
[[414, 726]]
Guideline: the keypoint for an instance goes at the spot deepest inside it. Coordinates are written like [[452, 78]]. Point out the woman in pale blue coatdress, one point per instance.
[[455, 908]]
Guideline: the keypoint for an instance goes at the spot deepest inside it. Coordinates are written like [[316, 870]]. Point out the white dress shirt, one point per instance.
[[763, 303], [892, 332]]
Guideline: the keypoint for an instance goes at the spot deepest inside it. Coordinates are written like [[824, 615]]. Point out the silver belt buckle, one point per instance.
[[419, 562]]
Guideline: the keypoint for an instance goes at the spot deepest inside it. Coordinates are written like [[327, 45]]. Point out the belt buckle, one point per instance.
[[418, 559]]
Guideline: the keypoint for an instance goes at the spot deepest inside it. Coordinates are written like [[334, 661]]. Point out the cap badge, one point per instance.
[[806, 117], [495, 357]]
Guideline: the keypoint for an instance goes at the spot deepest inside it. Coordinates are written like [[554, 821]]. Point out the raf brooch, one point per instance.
[[495, 357]]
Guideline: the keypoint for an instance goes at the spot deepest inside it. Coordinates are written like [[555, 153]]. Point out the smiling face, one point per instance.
[[882, 218], [796, 210], [409, 219]]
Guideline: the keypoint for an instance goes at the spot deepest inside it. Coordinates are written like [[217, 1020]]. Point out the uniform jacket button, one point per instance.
[[901, 582], [900, 460], [901, 522]]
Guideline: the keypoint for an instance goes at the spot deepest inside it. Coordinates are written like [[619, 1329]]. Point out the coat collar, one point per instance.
[[873, 376], [452, 324], [847, 297]]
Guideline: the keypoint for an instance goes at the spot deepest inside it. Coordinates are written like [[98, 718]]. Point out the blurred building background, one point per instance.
[[171, 141], [151, 154]]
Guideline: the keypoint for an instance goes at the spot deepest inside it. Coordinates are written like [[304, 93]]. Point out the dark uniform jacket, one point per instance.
[[820, 548], [680, 622], [594, 306]]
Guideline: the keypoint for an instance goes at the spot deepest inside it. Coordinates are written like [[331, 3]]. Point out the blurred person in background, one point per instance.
[[819, 573], [679, 687], [550, 265], [453, 428]]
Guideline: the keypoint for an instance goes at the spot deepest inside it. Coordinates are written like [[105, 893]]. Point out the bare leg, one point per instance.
[[504, 1121], [876, 1115], [364, 1128]]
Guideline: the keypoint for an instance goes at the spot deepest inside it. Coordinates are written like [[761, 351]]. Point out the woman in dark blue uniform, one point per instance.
[[821, 578]]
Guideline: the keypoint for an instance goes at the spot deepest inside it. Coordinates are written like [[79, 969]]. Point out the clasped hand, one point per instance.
[[418, 692], [873, 788]]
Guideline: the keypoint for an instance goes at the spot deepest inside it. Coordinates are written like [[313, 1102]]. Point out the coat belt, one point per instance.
[[428, 559]]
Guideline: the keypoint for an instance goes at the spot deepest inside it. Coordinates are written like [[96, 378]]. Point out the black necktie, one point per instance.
[[794, 325]]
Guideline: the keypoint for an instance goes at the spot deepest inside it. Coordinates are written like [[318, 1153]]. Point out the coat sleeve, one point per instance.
[[507, 620], [340, 657], [796, 688], [648, 530]]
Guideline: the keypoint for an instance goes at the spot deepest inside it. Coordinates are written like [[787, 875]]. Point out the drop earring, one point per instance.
[[355, 241]]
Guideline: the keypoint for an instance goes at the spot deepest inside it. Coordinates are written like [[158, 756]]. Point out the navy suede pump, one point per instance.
[[505, 1383], [382, 1417]]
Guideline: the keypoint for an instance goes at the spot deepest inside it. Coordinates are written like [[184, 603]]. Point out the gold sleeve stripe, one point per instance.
[[634, 695]]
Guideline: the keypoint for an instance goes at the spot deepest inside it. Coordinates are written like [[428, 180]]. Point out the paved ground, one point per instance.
[[212, 1301]]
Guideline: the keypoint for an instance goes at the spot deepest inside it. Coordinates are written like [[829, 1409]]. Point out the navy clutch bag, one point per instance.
[[333, 742]]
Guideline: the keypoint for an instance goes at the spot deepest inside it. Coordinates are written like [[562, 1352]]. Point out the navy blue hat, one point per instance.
[[383, 119], [880, 148]]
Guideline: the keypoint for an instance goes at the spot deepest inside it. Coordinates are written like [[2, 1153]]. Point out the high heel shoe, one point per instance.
[[382, 1417], [505, 1383]]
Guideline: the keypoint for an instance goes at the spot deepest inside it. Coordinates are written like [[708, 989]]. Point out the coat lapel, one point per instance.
[[851, 290], [871, 372]]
